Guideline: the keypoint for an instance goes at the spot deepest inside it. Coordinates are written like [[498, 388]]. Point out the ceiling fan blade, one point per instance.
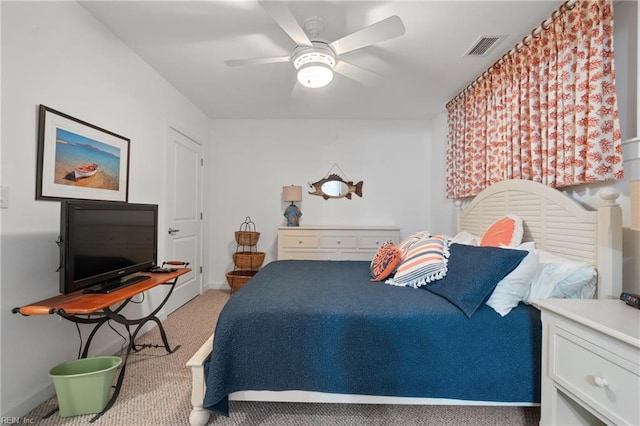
[[283, 17], [356, 73], [257, 61], [386, 29]]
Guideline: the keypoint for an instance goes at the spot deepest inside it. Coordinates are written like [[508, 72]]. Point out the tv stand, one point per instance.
[[95, 308], [113, 285]]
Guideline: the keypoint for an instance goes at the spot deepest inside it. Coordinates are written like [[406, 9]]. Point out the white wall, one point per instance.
[[57, 54], [251, 160], [443, 213], [627, 45], [1, 97], [625, 40]]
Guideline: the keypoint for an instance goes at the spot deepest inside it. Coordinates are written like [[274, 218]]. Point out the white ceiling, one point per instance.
[[187, 42]]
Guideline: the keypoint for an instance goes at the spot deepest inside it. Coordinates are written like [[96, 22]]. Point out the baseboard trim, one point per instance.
[[217, 285]]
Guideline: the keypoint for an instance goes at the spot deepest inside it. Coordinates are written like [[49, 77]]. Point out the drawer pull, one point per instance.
[[338, 241], [600, 382], [299, 241]]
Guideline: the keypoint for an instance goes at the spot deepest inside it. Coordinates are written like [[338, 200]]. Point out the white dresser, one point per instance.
[[333, 242], [590, 362]]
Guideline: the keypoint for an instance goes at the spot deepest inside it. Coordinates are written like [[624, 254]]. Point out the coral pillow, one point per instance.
[[425, 261], [506, 231], [385, 261]]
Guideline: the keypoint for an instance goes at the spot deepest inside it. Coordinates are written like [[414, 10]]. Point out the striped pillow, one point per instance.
[[412, 239], [425, 261]]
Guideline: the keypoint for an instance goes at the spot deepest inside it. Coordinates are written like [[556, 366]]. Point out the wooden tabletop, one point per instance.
[[82, 304]]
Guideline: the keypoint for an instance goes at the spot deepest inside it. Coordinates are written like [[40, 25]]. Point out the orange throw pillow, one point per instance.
[[385, 262], [506, 231]]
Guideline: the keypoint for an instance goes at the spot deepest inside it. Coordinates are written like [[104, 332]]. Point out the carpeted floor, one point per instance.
[[157, 391]]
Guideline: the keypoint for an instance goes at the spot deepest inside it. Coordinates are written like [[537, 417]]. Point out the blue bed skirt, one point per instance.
[[323, 326]]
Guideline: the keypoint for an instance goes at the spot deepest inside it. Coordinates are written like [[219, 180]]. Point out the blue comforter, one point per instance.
[[323, 326]]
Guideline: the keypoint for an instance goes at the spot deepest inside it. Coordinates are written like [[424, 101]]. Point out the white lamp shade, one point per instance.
[[315, 75], [291, 193], [634, 190]]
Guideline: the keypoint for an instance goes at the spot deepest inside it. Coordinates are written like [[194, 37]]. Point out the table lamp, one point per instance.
[[292, 194], [634, 190]]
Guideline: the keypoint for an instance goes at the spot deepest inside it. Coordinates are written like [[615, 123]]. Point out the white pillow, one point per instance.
[[560, 277], [527, 245], [514, 287], [467, 238]]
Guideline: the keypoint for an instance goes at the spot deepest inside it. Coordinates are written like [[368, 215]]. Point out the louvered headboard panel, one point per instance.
[[557, 224]]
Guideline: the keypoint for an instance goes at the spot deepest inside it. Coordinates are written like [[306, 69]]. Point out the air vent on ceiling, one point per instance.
[[484, 45]]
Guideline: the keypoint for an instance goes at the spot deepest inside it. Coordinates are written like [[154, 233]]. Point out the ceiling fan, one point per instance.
[[315, 59]]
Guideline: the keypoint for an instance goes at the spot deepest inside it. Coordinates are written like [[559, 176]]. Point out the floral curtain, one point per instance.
[[547, 111]]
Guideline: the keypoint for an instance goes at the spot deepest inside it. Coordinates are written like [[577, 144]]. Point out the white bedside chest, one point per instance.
[[590, 362]]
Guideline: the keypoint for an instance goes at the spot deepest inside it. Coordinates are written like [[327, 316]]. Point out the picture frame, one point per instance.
[[78, 160]]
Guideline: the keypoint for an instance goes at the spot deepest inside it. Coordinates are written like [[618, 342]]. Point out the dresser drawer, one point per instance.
[[374, 241], [600, 378], [338, 241], [300, 241]]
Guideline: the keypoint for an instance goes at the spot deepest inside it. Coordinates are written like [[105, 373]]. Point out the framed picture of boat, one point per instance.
[[78, 160]]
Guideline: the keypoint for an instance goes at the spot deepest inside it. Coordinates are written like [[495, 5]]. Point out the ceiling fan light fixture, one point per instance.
[[315, 66], [315, 75]]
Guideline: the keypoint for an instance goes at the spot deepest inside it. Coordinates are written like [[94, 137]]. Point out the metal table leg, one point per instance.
[[108, 314]]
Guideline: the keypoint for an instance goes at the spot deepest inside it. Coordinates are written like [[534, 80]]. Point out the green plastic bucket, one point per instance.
[[83, 386]]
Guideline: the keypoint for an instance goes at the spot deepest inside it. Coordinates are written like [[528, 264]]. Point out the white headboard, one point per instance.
[[557, 224]]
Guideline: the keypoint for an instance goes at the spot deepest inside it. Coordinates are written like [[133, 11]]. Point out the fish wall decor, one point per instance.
[[334, 186]]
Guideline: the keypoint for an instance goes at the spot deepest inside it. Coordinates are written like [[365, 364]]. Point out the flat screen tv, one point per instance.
[[103, 243]]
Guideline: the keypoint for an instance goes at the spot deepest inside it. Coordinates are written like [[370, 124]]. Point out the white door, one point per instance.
[[184, 210]]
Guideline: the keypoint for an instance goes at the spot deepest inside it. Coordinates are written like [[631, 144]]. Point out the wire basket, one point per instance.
[[247, 238], [237, 279], [248, 259]]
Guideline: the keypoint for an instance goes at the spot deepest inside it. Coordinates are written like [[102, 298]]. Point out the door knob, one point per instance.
[[173, 231]]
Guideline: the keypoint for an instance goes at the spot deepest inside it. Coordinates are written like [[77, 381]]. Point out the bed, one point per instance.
[[361, 342]]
